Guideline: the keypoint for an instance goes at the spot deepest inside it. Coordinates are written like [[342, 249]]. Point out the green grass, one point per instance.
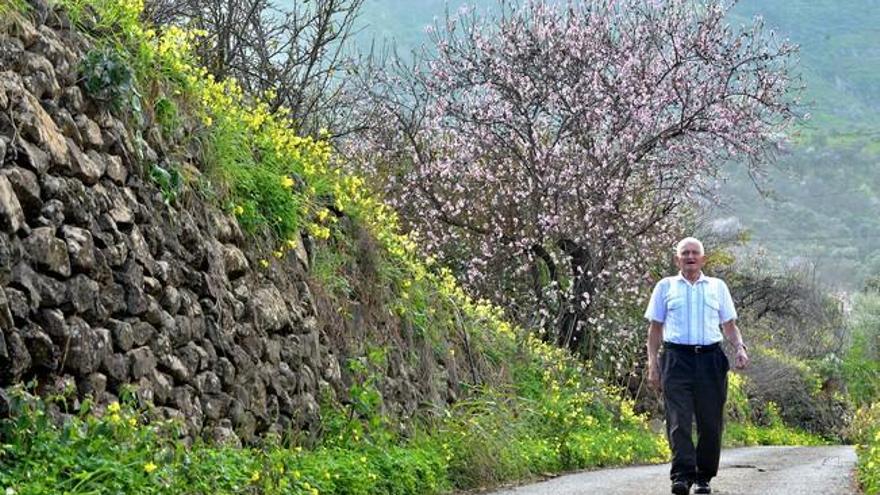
[[490, 439], [487, 440]]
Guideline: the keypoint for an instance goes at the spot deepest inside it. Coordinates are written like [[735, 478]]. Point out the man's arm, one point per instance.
[[731, 331], [655, 336]]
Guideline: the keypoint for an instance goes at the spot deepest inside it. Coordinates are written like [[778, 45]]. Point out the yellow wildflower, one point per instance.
[[278, 254], [114, 408], [264, 263], [150, 467], [239, 210], [255, 477], [287, 182]]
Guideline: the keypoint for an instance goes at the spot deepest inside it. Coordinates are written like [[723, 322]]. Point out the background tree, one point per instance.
[[547, 152], [296, 52]]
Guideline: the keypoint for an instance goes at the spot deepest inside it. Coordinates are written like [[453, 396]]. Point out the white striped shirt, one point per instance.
[[691, 313]]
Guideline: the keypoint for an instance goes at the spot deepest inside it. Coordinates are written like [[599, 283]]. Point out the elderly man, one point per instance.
[[685, 313]]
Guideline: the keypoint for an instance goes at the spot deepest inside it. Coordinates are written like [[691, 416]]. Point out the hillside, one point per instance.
[[828, 181]]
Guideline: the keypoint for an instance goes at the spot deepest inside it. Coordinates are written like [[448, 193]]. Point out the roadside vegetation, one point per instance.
[[861, 369]]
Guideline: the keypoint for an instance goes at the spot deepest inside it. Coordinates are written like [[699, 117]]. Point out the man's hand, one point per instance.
[[654, 376], [741, 361], [655, 336]]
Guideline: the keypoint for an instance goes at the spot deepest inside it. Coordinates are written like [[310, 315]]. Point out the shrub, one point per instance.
[[797, 390], [108, 78], [866, 433], [751, 421], [861, 363]]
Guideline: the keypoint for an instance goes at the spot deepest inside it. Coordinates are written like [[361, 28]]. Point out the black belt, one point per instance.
[[696, 349]]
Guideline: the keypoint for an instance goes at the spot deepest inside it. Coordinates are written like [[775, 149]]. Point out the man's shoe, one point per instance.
[[702, 487], [681, 487]]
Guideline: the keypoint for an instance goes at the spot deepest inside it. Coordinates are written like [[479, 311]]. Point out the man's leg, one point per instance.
[[678, 395], [710, 395]]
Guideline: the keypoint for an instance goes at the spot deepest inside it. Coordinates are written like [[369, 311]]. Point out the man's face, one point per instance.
[[690, 260]]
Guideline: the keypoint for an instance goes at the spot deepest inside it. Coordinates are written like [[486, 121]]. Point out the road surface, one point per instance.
[[823, 470]]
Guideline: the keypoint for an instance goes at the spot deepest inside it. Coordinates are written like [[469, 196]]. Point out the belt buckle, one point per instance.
[[698, 349]]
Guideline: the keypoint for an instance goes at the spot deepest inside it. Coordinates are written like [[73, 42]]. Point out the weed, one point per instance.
[[107, 77], [169, 180]]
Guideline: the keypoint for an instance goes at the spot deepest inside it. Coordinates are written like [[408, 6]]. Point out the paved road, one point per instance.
[[746, 471]]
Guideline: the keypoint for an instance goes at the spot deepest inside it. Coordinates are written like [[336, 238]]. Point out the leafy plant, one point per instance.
[[107, 77], [169, 180]]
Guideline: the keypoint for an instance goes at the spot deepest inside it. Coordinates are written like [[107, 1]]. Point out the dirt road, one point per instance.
[[745, 471]]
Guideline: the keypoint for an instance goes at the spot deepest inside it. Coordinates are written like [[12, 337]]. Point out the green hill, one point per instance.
[[825, 191]]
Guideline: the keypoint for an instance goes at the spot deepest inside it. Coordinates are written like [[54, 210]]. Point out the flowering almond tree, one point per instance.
[[547, 152]]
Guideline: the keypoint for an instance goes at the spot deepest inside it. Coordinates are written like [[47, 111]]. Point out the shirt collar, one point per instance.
[[702, 278]]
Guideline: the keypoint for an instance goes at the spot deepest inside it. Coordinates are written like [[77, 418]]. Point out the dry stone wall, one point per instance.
[[103, 285]]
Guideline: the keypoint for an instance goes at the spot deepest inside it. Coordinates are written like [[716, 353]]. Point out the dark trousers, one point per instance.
[[694, 386]]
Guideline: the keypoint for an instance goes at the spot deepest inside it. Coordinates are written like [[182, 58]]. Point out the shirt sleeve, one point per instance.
[[727, 311], [657, 305]]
